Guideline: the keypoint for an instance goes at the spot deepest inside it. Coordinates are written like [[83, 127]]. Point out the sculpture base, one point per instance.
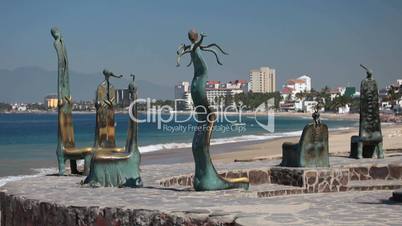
[[397, 195], [369, 150]]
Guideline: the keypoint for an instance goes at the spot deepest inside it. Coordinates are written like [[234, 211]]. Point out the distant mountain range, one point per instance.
[[32, 84]]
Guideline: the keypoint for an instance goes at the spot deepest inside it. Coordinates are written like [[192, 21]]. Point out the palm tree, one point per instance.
[[341, 101], [216, 100], [393, 96], [301, 95]]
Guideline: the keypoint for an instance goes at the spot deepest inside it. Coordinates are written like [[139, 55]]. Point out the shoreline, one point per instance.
[[339, 141], [324, 115], [277, 113]]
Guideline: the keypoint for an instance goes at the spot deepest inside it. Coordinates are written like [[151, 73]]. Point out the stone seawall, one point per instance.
[[20, 211], [312, 180]]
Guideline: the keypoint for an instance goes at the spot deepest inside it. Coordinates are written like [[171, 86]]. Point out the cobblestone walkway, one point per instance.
[[242, 207]]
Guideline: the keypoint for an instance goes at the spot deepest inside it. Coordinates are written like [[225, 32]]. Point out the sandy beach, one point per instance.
[[339, 142]]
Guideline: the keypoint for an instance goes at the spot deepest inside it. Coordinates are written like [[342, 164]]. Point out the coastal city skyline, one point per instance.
[[294, 42], [294, 95]]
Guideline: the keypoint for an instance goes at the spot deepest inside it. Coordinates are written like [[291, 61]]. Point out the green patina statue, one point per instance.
[[66, 149], [206, 177], [369, 141], [119, 167], [105, 121], [312, 149]]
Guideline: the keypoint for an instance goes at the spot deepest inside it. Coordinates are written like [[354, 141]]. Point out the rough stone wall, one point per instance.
[[314, 180], [384, 172], [326, 180], [256, 176], [287, 176], [20, 211], [272, 193]]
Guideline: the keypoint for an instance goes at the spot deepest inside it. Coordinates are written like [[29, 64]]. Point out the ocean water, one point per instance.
[[28, 141]]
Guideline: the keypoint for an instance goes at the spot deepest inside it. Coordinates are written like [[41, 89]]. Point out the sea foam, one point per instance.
[[216, 141], [227, 140], [39, 172]]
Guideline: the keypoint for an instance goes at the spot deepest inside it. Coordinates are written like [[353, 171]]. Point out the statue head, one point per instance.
[[196, 43], [193, 35], [109, 74], [133, 75], [369, 74], [55, 32], [368, 71]]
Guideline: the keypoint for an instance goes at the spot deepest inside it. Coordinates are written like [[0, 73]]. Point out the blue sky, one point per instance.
[[325, 39]]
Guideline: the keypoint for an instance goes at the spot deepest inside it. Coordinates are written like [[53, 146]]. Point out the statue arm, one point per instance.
[[216, 55], [199, 42], [215, 45], [182, 50]]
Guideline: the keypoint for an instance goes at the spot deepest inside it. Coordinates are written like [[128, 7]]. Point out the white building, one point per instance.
[[180, 89], [262, 80], [19, 107], [307, 80], [344, 110], [287, 93], [309, 106], [182, 94], [218, 92], [300, 84], [189, 101], [338, 91]]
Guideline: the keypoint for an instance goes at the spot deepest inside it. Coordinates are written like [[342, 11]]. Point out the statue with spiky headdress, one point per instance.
[[206, 176]]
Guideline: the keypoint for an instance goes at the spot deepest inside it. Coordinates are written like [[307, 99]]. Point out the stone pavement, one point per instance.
[[54, 200]]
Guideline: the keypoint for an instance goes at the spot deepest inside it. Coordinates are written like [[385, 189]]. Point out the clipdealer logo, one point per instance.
[[230, 117]]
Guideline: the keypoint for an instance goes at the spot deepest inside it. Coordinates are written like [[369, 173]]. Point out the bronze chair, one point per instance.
[[114, 168], [66, 149], [311, 150]]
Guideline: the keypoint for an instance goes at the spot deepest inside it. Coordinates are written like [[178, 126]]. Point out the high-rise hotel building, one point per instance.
[[262, 80]]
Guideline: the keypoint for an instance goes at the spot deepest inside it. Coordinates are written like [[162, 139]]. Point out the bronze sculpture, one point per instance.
[[105, 120], [66, 149], [369, 141], [206, 176], [119, 167], [312, 149]]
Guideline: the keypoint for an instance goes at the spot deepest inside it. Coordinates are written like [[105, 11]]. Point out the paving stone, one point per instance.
[[379, 172], [395, 171]]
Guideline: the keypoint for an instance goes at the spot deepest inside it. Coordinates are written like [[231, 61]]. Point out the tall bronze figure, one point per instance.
[[105, 120], [119, 167], [66, 149], [369, 141], [206, 176]]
